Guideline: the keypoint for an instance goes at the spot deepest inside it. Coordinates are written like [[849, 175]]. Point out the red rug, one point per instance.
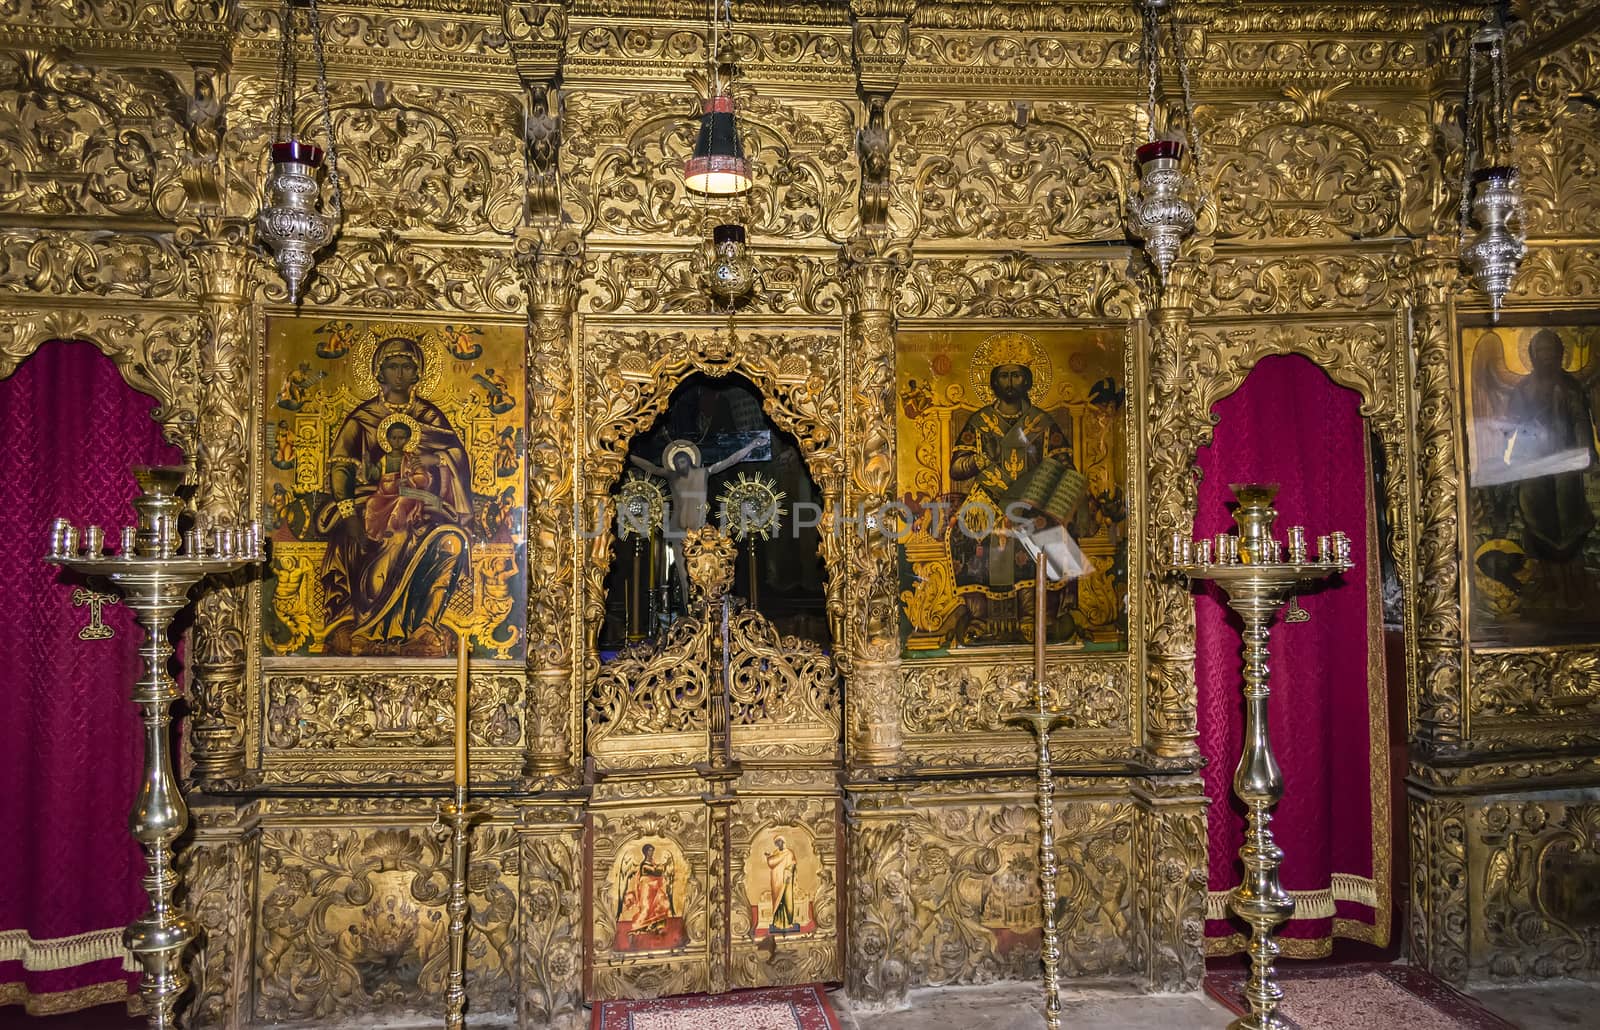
[[770, 1008], [1363, 997]]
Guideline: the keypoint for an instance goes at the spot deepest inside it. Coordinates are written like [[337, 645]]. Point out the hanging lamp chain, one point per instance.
[[1189, 130], [284, 109], [337, 211], [1152, 60]]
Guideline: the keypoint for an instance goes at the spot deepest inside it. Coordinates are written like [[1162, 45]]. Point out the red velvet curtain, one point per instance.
[[70, 738], [1290, 424]]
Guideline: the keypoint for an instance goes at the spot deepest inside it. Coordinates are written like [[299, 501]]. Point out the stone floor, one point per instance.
[[1558, 1005]]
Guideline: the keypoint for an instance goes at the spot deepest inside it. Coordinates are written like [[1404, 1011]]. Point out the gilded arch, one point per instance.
[[156, 353], [628, 378]]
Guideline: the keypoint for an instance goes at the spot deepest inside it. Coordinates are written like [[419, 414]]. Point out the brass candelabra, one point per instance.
[[155, 570], [1251, 569], [1042, 720]]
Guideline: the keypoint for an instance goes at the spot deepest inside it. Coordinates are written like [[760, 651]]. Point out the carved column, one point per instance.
[[872, 645], [1176, 427], [1437, 729], [550, 263], [549, 255], [224, 269]]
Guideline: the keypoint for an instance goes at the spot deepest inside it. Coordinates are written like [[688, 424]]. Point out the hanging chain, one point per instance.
[[284, 111], [337, 212], [1469, 139], [1189, 130], [1152, 59], [1503, 140]]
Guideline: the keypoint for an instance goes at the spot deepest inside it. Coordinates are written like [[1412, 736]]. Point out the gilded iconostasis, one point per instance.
[[523, 374]]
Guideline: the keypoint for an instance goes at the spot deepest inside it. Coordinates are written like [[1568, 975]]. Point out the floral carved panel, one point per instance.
[[623, 163], [987, 170], [1315, 166], [77, 140]]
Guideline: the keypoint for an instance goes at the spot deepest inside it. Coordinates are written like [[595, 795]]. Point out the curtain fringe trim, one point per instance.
[[45, 956], [1357, 890]]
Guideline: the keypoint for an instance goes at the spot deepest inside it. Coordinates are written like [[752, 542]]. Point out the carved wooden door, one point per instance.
[[714, 842]]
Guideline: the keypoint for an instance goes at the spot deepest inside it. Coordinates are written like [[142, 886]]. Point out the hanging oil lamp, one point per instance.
[[731, 273], [1161, 212], [1491, 190], [293, 223]]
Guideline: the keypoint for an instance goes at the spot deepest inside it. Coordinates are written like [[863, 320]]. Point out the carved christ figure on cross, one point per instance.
[[687, 480]]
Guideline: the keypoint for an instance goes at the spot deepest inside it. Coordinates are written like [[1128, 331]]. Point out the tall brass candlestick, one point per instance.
[[1041, 721], [457, 818], [1257, 585], [155, 580], [461, 710]]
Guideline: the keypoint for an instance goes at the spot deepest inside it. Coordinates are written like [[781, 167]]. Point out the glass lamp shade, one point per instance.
[[290, 223], [718, 166]]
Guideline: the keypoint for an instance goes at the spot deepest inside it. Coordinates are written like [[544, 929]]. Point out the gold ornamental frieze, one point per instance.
[[93, 262], [1016, 284], [113, 153], [611, 52], [342, 711], [1274, 284], [414, 159], [414, 40], [672, 283]]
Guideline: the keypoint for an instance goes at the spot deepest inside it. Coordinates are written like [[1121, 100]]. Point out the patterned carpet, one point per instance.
[[775, 1008], [1366, 997]]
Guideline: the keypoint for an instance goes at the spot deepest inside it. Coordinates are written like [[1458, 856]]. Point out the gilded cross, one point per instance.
[[96, 630]]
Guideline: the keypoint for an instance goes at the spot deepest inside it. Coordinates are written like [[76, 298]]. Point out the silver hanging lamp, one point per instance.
[[293, 223], [1162, 212], [1491, 189]]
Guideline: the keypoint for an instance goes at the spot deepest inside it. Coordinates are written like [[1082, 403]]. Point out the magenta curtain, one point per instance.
[[1290, 424], [70, 738]]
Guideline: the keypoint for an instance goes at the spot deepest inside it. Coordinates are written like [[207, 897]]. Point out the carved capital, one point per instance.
[[872, 267], [537, 35], [550, 261], [880, 45]]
